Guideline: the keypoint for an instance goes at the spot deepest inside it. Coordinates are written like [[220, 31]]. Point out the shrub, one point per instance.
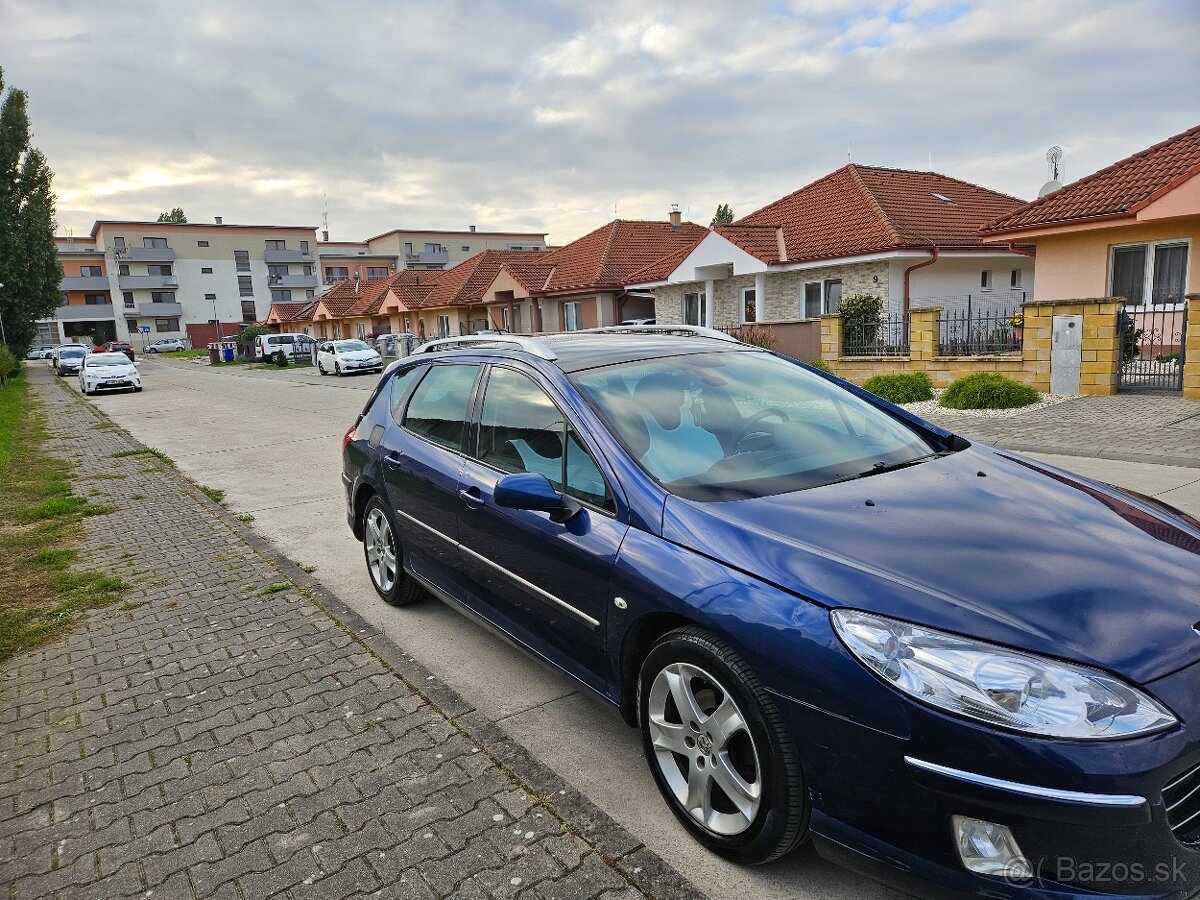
[[819, 363], [988, 390], [758, 335], [861, 309], [905, 387], [281, 359], [9, 364]]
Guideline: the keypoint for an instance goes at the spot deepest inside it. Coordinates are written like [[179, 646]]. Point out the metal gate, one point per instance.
[[1151, 347]]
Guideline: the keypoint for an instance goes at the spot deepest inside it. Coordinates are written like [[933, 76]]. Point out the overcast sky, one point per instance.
[[545, 116]]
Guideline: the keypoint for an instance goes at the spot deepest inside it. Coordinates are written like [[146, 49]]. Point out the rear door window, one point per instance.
[[440, 405]]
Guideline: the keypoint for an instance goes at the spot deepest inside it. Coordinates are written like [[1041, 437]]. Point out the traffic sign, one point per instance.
[[145, 329]]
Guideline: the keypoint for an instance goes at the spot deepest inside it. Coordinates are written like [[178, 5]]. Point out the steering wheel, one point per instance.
[[768, 413]]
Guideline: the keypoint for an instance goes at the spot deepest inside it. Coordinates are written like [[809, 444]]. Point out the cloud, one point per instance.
[[542, 115]]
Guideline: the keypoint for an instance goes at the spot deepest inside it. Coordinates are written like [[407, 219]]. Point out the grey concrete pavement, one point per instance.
[[271, 440]]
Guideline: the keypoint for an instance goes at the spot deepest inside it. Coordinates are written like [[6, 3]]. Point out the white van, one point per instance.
[[267, 345]]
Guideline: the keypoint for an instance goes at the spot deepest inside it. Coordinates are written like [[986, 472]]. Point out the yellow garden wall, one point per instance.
[[1191, 352]]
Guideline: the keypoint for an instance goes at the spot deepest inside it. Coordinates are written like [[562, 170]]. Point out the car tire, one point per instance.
[[746, 746], [137, 390], [379, 536], [321, 368], [337, 369]]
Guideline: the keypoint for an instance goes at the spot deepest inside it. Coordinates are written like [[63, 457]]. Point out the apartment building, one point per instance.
[[140, 281], [432, 249]]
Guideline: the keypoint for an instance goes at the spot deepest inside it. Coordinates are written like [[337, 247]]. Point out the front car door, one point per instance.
[[421, 457], [547, 583]]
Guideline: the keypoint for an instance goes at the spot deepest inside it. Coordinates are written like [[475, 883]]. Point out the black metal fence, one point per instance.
[[991, 302], [887, 337], [1152, 341], [968, 331]]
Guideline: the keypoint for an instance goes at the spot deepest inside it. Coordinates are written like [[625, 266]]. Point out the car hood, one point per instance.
[[357, 354], [982, 543], [111, 370]]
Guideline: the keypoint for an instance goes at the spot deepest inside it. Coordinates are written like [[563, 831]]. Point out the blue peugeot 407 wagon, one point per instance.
[[829, 619]]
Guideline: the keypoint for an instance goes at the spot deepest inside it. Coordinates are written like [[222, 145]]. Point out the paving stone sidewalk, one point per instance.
[[1151, 428], [234, 731]]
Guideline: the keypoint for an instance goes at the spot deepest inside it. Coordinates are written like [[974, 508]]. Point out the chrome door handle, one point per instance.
[[471, 496], [394, 460]]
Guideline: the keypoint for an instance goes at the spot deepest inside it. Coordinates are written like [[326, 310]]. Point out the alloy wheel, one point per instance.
[[381, 550], [704, 749]]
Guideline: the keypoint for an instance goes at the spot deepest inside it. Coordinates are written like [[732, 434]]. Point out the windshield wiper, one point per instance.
[[880, 467]]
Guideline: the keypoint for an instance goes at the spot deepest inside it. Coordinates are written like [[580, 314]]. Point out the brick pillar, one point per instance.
[[831, 337], [1036, 336], [923, 333], [1191, 350], [1101, 347]]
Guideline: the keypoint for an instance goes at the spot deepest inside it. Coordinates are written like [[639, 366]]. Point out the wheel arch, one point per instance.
[[637, 641], [362, 496]]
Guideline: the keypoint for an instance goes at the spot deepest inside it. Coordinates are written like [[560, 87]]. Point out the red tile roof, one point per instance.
[[293, 312], [665, 265], [465, 283], [866, 209], [606, 257], [1119, 190]]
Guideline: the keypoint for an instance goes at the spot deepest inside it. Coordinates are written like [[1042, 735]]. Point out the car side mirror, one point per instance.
[[528, 490], [137, 362]]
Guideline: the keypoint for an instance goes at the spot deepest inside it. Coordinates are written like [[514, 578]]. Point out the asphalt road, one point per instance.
[[271, 440]]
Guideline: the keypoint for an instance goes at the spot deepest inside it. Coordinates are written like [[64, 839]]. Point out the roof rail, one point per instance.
[[528, 344], [683, 330]]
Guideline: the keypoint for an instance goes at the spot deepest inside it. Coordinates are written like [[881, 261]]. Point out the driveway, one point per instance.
[[271, 440]]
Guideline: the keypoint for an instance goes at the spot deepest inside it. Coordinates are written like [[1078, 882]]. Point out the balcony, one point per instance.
[[84, 283], [158, 310], [85, 312], [147, 282], [287, 256], [427, 258], [146, 254], [276, 282]]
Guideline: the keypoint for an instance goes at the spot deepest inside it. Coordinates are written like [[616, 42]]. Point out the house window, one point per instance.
[[694, 309], [466, 248], [443, 326], [1156, 270], [433, 248], [505, 319], [362, 331], [304, 248], [201, 243], [132, 326], [408, 249], [245, 286], [276, 273], [162, 296], [119, 244], [810, 303], [95, 299], [276, 245], [122, 269], [1014, 280], [308, 270], [572, 316], [749, 305], [154, 243], [127, 296], [376, 273], [833, 295], [166, 324], [206, 270], [336, 273], [337, 330], [309, 295], [985, 280], [160, 271], [241, 259], [90, 271], [249, 313], [210, 296], [283, 296]]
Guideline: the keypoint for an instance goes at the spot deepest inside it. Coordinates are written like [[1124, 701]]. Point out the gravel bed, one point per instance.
[[930, 407]]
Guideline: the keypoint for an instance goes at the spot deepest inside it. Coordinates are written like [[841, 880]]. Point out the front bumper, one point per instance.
[[123, 384], [1088, 816]]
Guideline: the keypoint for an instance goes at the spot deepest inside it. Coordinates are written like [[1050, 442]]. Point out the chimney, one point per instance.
[[217, 219], [325, 236], [472, 227], [676, 217]]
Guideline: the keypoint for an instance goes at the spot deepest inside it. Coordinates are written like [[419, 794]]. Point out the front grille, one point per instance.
[[1182, 799]]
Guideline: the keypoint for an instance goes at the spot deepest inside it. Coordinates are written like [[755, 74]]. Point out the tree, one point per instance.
[[724, 215], [30, 274], [175, 215]]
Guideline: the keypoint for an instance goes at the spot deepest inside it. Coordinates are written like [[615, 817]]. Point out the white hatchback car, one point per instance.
[[108, 372], [344, 357]]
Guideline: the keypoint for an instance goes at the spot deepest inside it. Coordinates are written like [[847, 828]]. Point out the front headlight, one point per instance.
[[996, 685]]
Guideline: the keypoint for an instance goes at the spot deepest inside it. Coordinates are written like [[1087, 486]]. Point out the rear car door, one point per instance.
[[422, 460], [547, 583]]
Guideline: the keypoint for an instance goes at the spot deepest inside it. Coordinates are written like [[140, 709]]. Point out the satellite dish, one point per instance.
[[1049, 188]]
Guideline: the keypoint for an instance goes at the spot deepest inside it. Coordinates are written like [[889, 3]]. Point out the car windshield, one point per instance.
[[107, 359], [350, 345], [71, 351], [741, 424]]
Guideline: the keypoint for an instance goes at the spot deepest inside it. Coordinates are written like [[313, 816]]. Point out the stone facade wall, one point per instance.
[[1098, 366]]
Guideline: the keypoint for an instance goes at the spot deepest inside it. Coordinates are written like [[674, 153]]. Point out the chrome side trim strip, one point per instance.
[[1122, 801], [516, 579]]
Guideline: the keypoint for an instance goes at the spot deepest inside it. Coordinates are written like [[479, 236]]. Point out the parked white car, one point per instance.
[[344, 357], [167, 345], [108, 372], [68, 358], [267, 345], [39, 353]]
